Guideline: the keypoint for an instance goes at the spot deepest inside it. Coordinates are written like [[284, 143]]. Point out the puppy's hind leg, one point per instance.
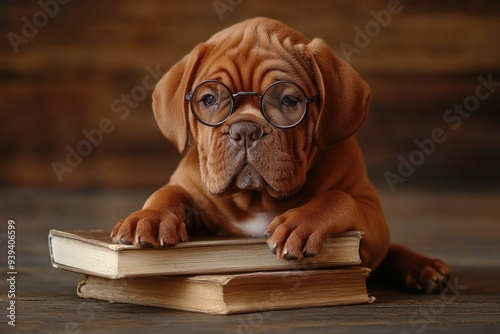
[[406, 269]]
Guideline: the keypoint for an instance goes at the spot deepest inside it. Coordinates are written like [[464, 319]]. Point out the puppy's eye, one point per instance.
[[208, 100], [290, 101]]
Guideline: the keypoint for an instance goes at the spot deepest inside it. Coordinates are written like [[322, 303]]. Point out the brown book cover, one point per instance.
[[235, 293], [92, 252]]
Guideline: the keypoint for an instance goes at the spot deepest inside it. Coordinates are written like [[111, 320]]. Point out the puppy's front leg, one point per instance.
[[302, 232], [161, 222]]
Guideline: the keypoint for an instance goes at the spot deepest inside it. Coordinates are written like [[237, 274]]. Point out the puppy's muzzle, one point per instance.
[[245, 134]]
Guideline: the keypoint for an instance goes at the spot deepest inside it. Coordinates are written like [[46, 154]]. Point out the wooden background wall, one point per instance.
[[68, 72]]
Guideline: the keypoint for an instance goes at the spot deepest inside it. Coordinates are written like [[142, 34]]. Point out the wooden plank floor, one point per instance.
[[462, 229]]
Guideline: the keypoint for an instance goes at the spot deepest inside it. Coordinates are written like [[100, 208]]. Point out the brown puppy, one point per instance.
[[272, 117]]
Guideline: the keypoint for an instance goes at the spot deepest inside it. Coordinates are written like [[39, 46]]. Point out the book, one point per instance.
[[92, 252], [235, 293]]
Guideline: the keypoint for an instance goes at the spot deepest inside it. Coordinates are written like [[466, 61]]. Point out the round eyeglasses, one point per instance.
[[283, 104]]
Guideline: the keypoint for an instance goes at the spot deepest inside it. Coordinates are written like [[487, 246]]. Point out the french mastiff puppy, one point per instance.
[[271, 116]]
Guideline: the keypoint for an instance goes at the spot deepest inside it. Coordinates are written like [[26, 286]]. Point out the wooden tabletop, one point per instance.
[[463, 229]]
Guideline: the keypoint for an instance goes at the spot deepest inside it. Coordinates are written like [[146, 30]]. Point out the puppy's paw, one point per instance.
[[430, 276], [414, 272], [150, 228], [292, 236]]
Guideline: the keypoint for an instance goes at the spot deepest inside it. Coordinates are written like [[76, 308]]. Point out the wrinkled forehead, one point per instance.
[[251, 61]]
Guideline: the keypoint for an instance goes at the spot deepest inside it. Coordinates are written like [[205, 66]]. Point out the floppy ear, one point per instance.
[[169, 105], [344, 96]]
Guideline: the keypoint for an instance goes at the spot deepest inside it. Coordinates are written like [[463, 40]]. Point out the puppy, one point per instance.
[[272, 117]]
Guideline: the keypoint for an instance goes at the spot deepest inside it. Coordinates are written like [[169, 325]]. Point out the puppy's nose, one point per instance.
[[245, 132]]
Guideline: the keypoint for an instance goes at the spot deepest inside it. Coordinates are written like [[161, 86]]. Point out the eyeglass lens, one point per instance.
[[212, 102]]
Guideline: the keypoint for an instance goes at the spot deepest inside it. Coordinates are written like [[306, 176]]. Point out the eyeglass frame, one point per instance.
[[189, 97]]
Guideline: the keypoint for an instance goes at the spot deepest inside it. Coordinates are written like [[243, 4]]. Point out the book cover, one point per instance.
[[92, 252], [235, 293]]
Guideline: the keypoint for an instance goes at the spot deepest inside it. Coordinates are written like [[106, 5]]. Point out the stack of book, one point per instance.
[[219, 276]]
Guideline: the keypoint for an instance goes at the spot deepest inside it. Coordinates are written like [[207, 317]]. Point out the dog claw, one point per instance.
[[289, 257], [124, 241], [145, 244], [165, 244], [306, 254], [273, 248]]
